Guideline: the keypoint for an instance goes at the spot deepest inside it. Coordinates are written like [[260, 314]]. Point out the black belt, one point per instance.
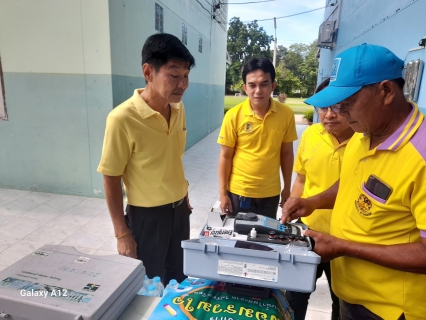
[[173, 204]]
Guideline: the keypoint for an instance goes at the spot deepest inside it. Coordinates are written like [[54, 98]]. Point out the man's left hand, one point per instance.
[[187, 201], [326, 246], [285, 193]]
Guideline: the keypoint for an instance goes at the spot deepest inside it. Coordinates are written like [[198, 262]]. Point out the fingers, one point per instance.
[[133, 254], [225, 204], [228, 205], [310, 233], [285, 217], [187, 202], [283, 201], [224, 208], [127, 247]]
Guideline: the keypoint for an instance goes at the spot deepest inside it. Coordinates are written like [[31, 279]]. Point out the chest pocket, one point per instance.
[[276, 139]]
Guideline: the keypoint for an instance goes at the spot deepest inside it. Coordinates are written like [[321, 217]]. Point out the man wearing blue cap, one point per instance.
[[377, 240]]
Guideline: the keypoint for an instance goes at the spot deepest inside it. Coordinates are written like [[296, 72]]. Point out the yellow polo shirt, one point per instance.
[[319, 159], [256, 164], [360, 216], [140, 146]]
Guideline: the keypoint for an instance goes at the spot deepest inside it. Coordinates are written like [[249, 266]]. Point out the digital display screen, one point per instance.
[[272, 223]]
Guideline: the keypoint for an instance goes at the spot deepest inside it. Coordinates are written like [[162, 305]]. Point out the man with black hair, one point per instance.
[[317, 164], [144, 143], [257, 139], [377, 240]]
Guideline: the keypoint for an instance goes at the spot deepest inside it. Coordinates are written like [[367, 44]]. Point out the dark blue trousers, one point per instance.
[[264, 206]]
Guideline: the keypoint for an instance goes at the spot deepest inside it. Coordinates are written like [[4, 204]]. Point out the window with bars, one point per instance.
[[159, 18], [200, 44], [184, 34]]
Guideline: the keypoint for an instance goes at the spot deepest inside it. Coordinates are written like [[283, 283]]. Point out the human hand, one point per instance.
[[294, 208], [127, 246], [326, 246], [187, 202], [285, 193], [225, 204]]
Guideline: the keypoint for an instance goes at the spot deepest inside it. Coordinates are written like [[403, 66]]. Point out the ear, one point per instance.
[[244, 88], [274, 85], [147, 71], [387, 90]]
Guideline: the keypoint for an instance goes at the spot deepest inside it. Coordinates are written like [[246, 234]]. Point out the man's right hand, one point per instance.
[[294, 208], [127, 247], [225, 204]]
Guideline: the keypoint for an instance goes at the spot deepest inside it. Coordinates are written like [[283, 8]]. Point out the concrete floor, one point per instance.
[[31, 219]]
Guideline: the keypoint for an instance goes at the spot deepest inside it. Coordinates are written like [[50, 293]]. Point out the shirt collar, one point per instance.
[[405, 132], [144, 110], [322, 130], [248, 111]]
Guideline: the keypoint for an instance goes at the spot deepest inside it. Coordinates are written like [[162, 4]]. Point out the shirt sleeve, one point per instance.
[[116, 150], [228, 135], [299, 163], [291, 133], [418, 196]]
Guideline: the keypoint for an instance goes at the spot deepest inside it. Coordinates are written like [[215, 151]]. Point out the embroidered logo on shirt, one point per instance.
[[363, 205], [248, 127]]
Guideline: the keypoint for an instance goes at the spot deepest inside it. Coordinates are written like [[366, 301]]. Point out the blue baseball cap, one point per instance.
[[354, 68]]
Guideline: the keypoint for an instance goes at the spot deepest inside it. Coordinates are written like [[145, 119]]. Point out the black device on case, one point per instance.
[[245, 222]]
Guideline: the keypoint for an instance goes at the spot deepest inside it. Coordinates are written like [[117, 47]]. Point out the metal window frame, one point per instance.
[[159, 18], [184, 34], [3, 108]]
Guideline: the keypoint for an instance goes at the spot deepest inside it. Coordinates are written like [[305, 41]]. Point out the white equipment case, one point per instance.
[[288, 267], [61, 283]]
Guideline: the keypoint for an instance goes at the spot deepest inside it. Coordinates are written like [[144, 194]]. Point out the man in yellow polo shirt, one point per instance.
[[317, 164], [144, 143], [378, 225], [257, 139]]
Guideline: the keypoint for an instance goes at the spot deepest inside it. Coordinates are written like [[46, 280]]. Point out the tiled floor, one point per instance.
[[31, 219]]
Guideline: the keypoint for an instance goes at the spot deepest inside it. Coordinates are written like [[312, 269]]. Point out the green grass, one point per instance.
[[295, 103]]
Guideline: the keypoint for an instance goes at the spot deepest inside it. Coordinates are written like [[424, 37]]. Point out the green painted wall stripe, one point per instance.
[[53, 139]]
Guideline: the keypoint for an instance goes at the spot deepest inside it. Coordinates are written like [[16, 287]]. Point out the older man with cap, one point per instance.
[[377, 240]]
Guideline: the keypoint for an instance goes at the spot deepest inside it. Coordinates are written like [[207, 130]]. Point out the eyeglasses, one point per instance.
[[334, 108]]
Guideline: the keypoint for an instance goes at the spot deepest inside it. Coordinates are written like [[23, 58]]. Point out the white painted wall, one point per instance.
[[51, 36], [137, 18]]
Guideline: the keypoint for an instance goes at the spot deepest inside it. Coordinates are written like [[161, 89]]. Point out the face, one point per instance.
[[259, 87], [169, 82], [332, 121], [363, 110]]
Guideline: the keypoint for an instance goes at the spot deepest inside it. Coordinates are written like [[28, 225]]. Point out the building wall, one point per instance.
[[67, 63], [396, 24], [56, 66], [132, 22]]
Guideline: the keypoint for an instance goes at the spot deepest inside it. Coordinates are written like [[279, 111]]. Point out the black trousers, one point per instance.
[[158, 232], [299, 300], [264, 206], [350, 311]]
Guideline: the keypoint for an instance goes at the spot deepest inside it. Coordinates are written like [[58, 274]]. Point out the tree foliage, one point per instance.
[[297, 65], [245, 41], [287, 82]]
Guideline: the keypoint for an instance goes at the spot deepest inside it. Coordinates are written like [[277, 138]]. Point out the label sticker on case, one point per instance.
[[248, 270], [82, 260]]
